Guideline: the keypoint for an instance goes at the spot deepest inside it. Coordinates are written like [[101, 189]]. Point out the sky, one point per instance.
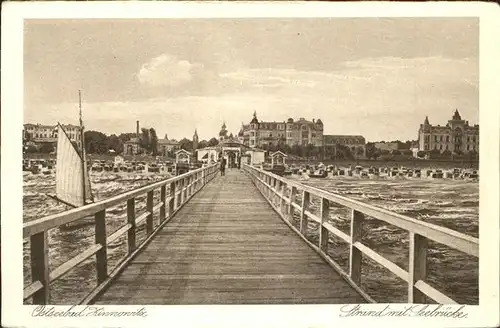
[[374, 77]]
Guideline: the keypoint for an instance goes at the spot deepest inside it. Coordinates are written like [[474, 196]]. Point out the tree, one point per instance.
[[153, 141], [95, 142], [343, 152], [435, 153], [124, 137], [186, 144], [202, 144], [446, 153], [297, 150], [213, 142], [473, 155], [27, 137], [171, 153], [30, 149], [309, 150], [284, 148], [385, 152], [370, 150], [145, 139], [115, 143], [395, 152], [46, 148]]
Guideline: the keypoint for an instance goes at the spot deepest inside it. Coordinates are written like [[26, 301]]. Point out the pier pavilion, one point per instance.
[[233, 151]]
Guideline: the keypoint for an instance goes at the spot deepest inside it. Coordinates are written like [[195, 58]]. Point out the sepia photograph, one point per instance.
[[253, 161]]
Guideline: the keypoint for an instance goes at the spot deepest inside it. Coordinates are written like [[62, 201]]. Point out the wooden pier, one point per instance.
[[230, 240]]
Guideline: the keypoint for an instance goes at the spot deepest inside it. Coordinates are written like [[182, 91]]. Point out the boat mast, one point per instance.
[[82, 144]]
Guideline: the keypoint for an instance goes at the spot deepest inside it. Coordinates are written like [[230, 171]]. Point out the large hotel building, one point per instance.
[[292, 132], [301, 132], [456, 136], [40, 133]]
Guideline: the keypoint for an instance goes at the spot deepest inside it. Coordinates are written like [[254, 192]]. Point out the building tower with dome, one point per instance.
[[457, 136], [223, 132]]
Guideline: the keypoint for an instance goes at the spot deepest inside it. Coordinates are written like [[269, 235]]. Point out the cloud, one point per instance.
[[166, 70], [383, 99]]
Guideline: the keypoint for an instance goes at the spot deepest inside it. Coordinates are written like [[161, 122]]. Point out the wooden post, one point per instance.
[[291, 209], [179, 196], [131, 220], [276, 187], [171, 203], [268, 186], [100, 238], [271, 189], [282, 194], [303, 217], [180, 185], [203, 177], [149, 208], [323, 232], [193, 184], [197, 181], [184, 190], [163, 199], [417, 269], [355, 254], [39, 249]]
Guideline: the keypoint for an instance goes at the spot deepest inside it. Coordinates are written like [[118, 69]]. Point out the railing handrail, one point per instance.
[[281, 194], [55, 220], [181, 189], [442, 235]]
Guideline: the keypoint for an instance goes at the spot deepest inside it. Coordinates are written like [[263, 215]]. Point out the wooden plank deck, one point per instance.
[[227, 246]]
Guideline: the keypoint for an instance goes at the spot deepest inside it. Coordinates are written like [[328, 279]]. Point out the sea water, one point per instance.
[[453, 204], [450, 203]]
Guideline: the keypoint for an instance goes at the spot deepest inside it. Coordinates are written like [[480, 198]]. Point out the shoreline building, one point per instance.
[[131, 147], [302, 132], [355, 143], [163, 146], [41, 133], [457, 136], [230, 148]]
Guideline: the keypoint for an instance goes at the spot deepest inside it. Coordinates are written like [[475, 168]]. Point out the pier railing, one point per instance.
[[282, 195], [180, 190]]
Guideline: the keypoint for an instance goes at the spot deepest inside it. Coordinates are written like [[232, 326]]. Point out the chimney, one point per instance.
[[137, 129]]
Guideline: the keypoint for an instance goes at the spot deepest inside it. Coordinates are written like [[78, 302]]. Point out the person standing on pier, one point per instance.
[[222, 166]]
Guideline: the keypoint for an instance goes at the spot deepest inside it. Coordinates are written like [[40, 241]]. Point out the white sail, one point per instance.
[[72, 181]]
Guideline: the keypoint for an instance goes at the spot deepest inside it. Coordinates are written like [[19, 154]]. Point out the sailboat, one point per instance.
[[73, 186]]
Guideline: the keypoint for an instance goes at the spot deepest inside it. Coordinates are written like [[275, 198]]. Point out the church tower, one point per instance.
[[195, 140], [223, 133]]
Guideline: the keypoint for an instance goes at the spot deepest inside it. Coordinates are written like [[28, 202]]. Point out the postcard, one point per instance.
[[220, 164]]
